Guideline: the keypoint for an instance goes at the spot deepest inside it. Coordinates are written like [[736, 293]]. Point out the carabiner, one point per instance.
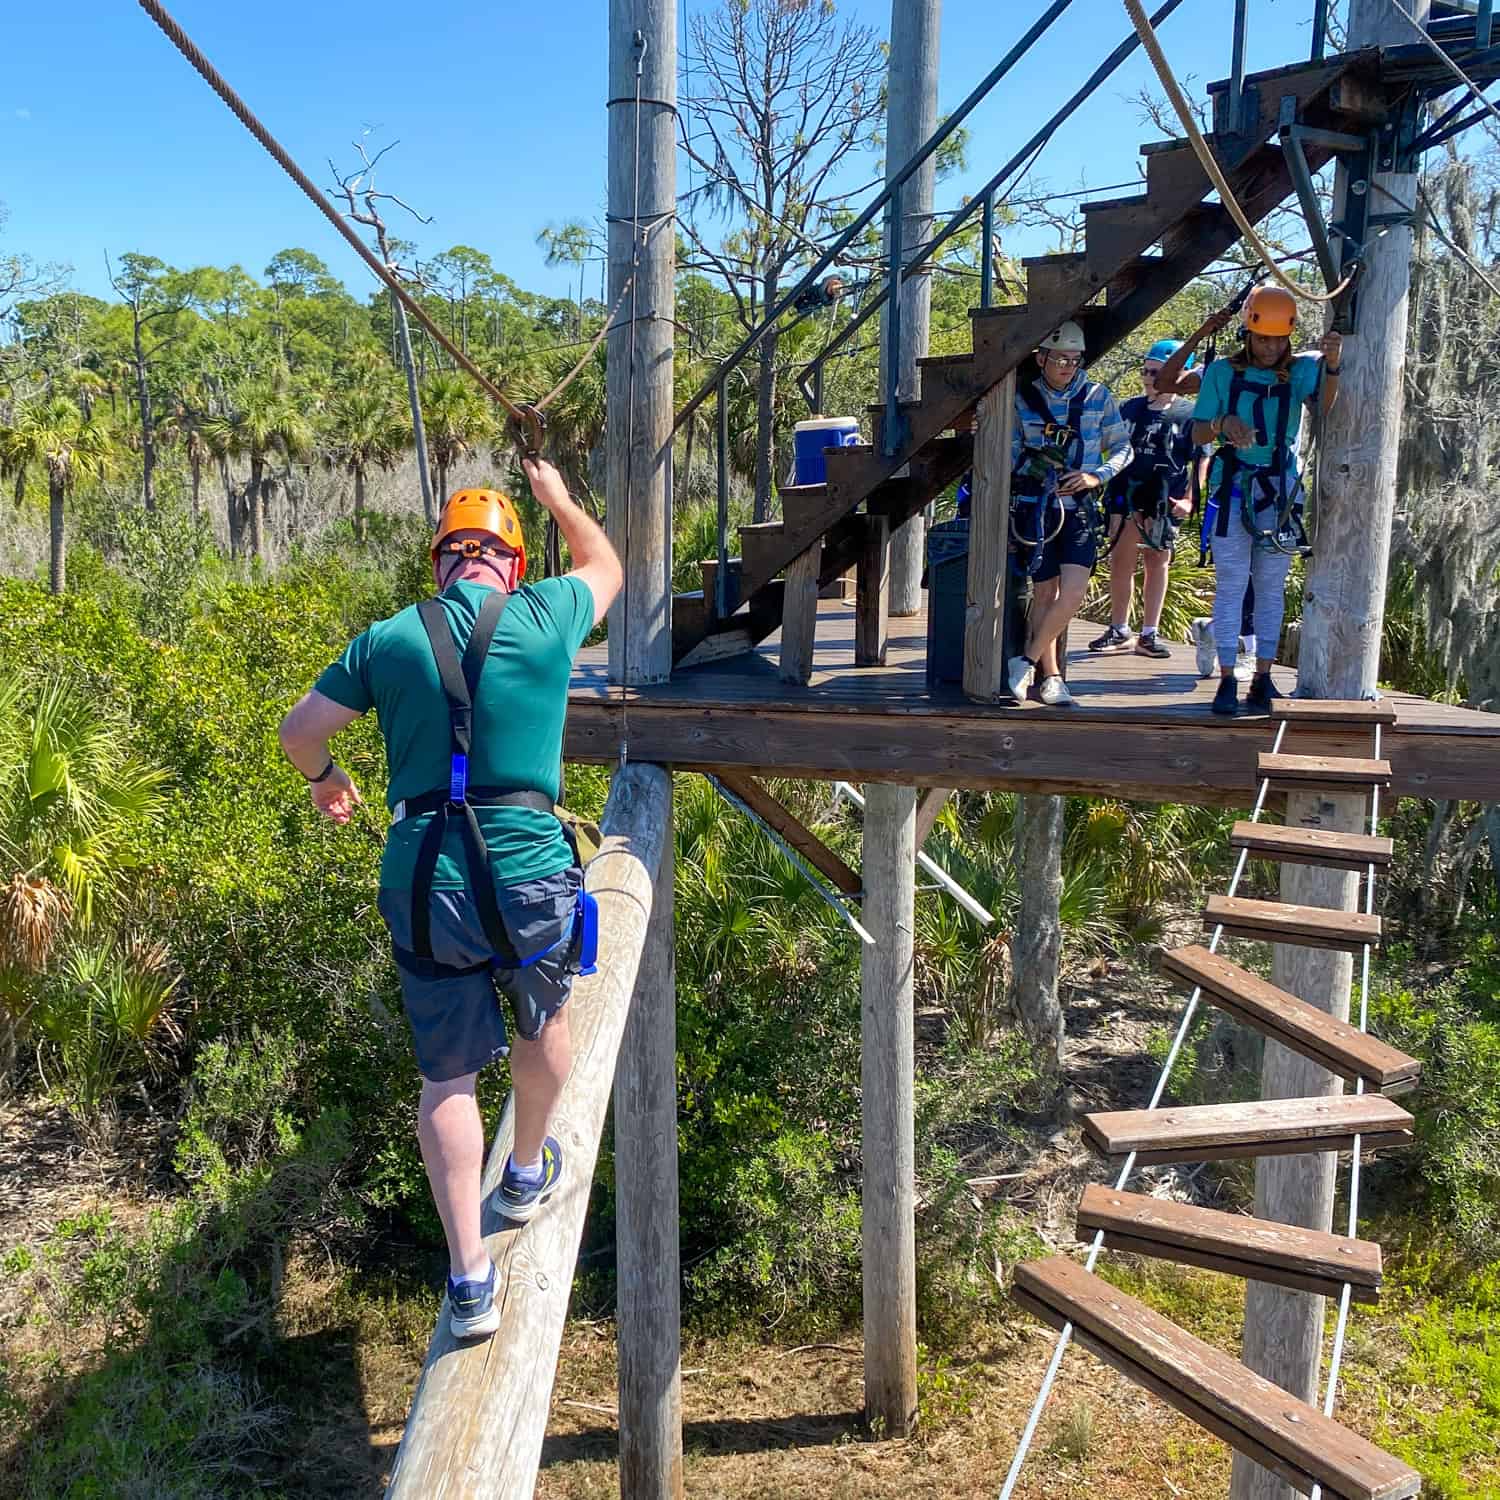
[[527, 427]]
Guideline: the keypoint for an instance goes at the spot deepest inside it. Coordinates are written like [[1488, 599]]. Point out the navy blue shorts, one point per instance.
[[1073, 546], [457, 1024]]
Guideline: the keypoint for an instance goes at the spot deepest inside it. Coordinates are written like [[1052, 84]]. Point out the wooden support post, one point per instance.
[[1339, 657], [911, 117], [872, 594], [642, 200], [639, 474], [480, 1410], [989, 546], [1037, 946], [799, 615], [646, 1217], [886, 1077]]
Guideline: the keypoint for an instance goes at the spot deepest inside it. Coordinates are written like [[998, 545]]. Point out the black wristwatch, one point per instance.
[[1332, 369], [324, 774]]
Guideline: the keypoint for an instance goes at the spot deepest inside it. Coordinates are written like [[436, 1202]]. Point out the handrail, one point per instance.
[[893, 186], [983, 199]]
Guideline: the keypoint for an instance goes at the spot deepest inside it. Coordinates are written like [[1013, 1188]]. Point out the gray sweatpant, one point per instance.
[[1237, 560]]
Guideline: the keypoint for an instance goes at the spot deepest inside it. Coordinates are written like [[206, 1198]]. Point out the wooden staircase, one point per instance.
[[1254, 1416], [1138, 252]]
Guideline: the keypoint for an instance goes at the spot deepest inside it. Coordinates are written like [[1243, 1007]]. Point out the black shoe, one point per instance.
[[1262, 693], [1113, 642], [1226, 700]]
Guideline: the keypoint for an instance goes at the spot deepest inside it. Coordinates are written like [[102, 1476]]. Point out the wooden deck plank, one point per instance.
[[1339, 1047], [1312, 846], [1324, 773], [883, 724], [1334, 711], [1282, 922], [1216, 1390], [1255, 1249], [1259, 1127]]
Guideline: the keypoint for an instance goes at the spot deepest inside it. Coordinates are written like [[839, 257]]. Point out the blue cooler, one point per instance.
[[813, 436]]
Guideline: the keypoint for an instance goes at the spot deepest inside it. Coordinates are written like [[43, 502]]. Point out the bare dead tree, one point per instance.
[[357, 189], [783, 93]]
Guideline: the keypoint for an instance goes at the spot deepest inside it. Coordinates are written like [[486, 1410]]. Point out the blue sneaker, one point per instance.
[[471, 1307], [518, 1198]]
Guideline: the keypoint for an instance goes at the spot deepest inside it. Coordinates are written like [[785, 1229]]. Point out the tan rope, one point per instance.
[[1210, 163], [526, 419]]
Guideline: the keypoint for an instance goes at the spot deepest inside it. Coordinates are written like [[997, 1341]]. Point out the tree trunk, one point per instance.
[[57, 558], [360, 528], [196, 465], [252, 502], [765, 413], [148, 439], [414, 399], [1037, 944]]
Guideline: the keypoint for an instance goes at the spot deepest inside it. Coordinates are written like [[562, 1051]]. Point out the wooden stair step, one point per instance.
[[1323, 773], [1281, 922], [1336, 1045], [1255, 1417], [1260, 1127], [1306, 1260], [1290, 845], [708, 572], [1334, 711], [1130, 276]]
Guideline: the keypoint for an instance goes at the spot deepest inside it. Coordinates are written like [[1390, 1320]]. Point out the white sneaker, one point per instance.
[[1018, 674], [1054, 693], [1203, 645], [1244, 666]]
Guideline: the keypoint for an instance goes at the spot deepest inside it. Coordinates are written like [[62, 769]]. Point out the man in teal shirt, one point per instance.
[[450, 959]]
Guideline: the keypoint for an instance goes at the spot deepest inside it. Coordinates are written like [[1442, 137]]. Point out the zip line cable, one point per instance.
[[1210, 163], [526, 418]]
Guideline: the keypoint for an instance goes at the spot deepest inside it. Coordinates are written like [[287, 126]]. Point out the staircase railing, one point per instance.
[[901, 264]]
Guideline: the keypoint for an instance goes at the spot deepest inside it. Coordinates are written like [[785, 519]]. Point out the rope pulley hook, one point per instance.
[[528, 424]]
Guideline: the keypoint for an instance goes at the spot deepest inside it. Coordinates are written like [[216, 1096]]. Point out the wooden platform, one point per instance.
[[1141, 728]]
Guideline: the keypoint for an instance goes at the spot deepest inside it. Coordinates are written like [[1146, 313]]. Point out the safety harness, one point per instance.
[[1273, 487], [457, 801], [1034, 483], [1147, 484]]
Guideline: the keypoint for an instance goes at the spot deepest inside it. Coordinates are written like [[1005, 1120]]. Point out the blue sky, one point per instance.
[[109, 142]]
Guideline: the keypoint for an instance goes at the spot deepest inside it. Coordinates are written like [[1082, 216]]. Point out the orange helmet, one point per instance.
[[1271, 310], [481, 510]]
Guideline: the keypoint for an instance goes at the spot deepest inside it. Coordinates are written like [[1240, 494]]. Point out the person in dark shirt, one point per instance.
[[1146, 504]]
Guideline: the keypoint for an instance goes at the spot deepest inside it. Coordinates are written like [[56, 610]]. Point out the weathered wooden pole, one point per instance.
[[1339, 657], [1036, 948], [642, 201], [642, 62], [911, 117], [987, 603], [886, 1078]]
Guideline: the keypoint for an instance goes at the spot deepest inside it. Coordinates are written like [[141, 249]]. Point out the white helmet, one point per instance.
[[1066, 338]]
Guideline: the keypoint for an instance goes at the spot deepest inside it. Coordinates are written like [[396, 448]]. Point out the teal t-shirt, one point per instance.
[[1306, 377], [518, 722]]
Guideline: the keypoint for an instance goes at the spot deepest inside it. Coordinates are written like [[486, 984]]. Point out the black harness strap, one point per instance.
[[1230, 463], [460, 682]]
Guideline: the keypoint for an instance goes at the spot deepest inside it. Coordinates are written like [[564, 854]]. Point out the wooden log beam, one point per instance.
[[872, 594], [799, 617], [480, 1410], [779, 816]]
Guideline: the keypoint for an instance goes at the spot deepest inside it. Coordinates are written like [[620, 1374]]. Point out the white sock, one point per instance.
[[1247, 644]]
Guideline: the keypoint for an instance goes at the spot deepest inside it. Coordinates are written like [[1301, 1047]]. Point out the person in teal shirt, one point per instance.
[[1251, 404], [456, 941]]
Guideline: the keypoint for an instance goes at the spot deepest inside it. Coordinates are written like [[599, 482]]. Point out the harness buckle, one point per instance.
[[458, 779]]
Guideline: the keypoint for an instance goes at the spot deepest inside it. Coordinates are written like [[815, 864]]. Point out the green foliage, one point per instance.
[[1454, 1027]]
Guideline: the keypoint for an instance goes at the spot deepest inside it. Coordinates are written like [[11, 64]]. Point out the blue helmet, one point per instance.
[[1163, 349]]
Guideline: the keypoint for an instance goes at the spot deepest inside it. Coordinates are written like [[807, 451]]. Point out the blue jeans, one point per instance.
[[1238, 562]]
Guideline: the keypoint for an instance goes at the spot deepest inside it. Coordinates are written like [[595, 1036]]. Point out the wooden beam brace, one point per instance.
[[754, 795], [872, 594], [929, 806]]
